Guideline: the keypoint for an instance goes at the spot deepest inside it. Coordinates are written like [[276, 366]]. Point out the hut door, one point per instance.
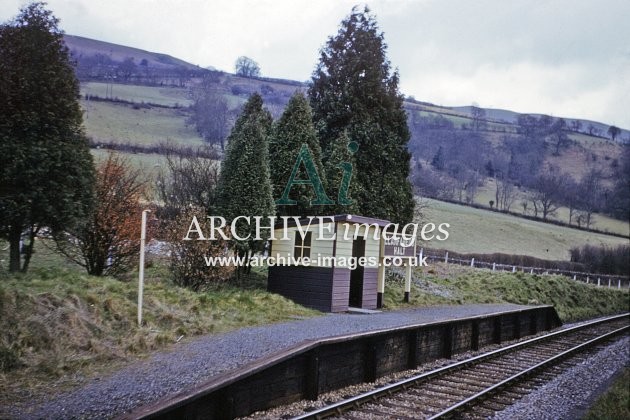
[[356, 275]]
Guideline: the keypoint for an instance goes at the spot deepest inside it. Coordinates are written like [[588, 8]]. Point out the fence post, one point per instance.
[[446, 258], [494, 266], [587, 280], [531, 271], [599, 281], [574, 277], [472, 262], [513, 269], [619, 284]]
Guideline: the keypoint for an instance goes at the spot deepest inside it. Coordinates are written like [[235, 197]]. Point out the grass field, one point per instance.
[[149, 165], [170, 96], [482, 231], [111, 122], [601, 222]]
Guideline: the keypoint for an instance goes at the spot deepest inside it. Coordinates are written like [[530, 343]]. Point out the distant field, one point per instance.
[[604, 223], [482, 231], [170, 96], [149, 165], [119, 123]]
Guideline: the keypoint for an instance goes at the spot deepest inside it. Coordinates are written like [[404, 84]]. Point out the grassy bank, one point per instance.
[[453, 285], [615, 403], [60, 322]]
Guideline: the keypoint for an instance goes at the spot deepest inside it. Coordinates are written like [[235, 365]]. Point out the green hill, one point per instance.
[[152, 107]]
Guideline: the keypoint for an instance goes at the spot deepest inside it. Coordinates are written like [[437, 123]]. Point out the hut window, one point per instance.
[[302, 246]]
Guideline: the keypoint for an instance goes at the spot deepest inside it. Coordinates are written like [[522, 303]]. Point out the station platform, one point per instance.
[[295, 359]]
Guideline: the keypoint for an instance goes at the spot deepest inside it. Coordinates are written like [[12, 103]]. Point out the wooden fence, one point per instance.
[[601, 280]]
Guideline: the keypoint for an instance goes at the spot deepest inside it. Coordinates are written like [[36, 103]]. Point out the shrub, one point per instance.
[[188, 264], [603, 259]]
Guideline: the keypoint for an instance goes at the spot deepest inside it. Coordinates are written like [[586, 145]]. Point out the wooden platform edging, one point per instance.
[[316, 366]]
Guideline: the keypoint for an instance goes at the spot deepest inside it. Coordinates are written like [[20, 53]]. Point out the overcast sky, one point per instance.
[[566, 58]]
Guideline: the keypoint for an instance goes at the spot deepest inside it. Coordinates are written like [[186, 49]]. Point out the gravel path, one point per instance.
[[569, 395], [194, 361]]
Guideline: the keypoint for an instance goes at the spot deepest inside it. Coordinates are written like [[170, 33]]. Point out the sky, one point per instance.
[[568, 58]]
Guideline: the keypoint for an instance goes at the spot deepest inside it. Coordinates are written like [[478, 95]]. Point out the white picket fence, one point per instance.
[[601, 280]]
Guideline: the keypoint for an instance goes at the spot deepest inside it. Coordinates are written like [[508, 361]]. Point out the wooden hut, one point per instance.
[[342, 268]]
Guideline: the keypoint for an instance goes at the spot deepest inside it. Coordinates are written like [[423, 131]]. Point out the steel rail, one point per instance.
[[348, 404], [526, 372]]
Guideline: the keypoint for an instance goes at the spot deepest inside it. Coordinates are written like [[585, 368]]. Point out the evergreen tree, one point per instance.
[[244, 187], [294, 129], [353, 89], [438, 160], [342, 152], [46, 170]]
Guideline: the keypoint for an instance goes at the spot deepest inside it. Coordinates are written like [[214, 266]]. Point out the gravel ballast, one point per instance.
[[570, 394], [196, 360]]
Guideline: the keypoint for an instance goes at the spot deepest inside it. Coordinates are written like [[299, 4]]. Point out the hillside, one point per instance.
[[148, 103], [82, 48], [481, 231]]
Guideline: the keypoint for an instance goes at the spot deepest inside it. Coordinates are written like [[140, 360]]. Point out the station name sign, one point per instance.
[[397, 246]]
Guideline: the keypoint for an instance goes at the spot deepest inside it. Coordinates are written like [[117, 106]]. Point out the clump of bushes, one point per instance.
[[603, 259], [188, 257]]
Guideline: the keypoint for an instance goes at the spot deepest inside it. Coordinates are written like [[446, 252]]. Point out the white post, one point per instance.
[[531, 271], [446, 258], [619, 284], [599, 281], [143, 238], [380, 285], [407, 281], [574, 277], [494, 266], [472, 262], [608, 282], [588, 280], [513, 269]]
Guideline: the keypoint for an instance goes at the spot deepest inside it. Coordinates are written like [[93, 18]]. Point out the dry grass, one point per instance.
[[57, 323]]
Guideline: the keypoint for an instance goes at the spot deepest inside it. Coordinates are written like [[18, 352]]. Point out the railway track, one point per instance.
[[479, 386]]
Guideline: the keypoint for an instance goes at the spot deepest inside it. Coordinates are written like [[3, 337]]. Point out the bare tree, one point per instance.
[[590, 194], [505, 194], [614, 132], [246, 67], [570, 197], [108, 244], [127, 68], [210, 112], [547, 193], [190, 181], [559, 136], [478, 117]]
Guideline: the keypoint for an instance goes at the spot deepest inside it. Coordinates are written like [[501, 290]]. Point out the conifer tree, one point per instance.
[[293, 130], [244, 187], [353, 89], [46, 170], [342, 152]]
